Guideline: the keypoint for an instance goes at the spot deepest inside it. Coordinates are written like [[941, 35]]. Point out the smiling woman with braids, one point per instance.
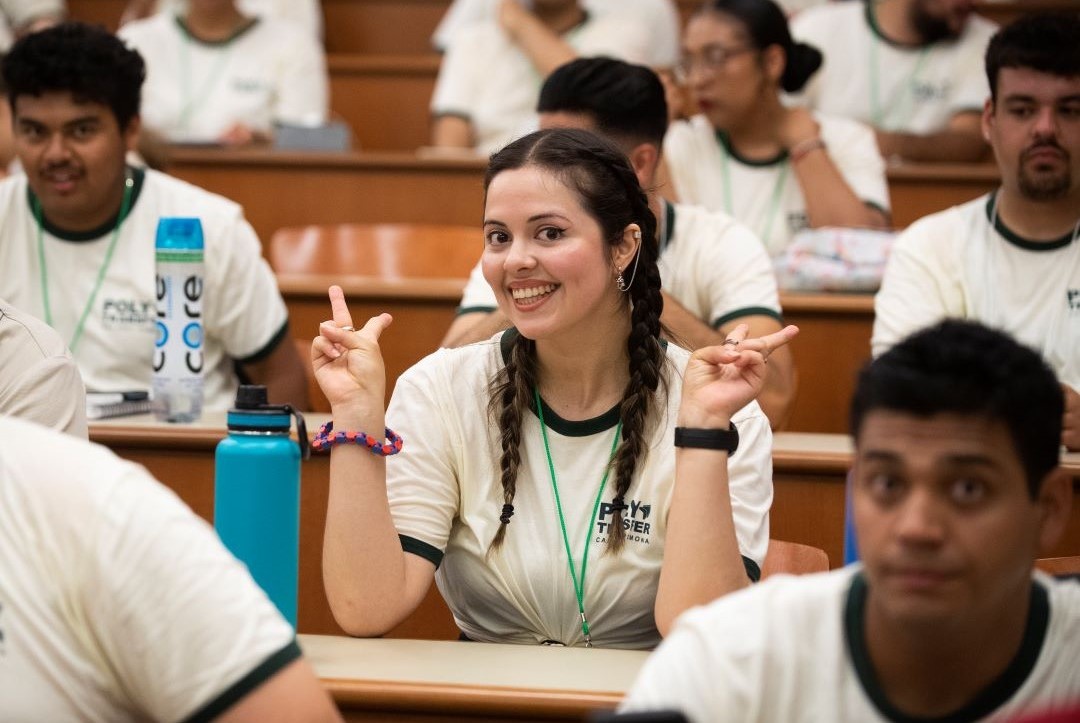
[[538, 482]]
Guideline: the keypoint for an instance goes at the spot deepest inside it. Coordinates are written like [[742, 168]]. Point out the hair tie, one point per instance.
[[507, 513], [618, 504]]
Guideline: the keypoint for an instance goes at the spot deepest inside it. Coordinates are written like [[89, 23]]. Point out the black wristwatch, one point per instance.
[[725, 439]]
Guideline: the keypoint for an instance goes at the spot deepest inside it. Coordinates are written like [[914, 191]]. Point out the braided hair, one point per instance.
[[605, 183]]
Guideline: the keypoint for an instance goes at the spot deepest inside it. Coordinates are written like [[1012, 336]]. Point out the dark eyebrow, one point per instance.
[[493, 222], [550, 214]]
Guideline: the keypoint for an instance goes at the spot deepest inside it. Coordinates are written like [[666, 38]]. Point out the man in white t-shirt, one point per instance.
[[39, 381], [117, 603], [485, 95], [956, 491], [910, 68], [78, 229], [1010, 259], [716, 274]]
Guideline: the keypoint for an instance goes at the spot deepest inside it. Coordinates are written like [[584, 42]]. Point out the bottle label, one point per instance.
[[178, 349]]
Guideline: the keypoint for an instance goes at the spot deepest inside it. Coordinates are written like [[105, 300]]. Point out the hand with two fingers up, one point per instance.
[[722, 379]]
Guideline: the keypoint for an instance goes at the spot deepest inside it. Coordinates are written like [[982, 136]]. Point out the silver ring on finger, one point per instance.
[[346, 328]]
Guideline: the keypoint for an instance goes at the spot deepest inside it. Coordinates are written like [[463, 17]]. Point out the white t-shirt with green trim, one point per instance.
[[117, 603], [486, 78], [766, 195], [446, 499], [918, 89], [244, 316], [955, 264], [709, 262], [793, 649], [194, 91]]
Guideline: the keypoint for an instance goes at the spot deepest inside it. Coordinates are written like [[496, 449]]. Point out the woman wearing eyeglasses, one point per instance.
[[774, 168]]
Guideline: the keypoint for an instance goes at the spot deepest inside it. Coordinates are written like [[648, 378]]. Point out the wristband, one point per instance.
[[723, 439], [804, 148], [325, 440]]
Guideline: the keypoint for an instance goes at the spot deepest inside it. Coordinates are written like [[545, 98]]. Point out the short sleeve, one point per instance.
[[918, 289], [478, 295], [421, 482], [853, 148], [750, 483], [302, 91], [50, 392], [246, 313], [740, 279], [454, 92], [180, 620]]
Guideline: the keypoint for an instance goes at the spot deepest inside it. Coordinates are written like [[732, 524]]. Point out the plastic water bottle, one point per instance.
[[257, 493], [178, 350]]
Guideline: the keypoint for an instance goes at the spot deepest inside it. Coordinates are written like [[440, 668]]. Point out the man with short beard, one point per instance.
[[910, 68], [1009, 259]]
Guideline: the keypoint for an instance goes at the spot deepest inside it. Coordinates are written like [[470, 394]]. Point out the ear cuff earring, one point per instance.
[[622, 283]]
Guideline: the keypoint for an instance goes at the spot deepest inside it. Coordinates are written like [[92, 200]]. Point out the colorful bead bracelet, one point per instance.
[[325, 440]]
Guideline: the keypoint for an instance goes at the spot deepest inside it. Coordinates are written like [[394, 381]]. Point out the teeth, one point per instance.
[[532, 291]]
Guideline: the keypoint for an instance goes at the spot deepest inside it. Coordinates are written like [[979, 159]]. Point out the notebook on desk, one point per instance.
[[103, 405]]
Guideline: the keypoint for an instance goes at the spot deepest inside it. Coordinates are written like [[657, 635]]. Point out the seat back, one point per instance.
[[793, 558]]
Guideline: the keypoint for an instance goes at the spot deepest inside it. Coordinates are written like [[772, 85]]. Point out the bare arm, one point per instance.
[[452, 131], [292, 694], [545, 50], [829, 199], [960, 142], [473, 327], [371, 583], [282, 371], [701, 553]]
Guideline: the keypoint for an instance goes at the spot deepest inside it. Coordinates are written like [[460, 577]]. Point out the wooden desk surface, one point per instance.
[[462, 678]]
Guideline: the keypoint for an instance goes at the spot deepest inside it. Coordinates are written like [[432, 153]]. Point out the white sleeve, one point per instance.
[[853, 148], [971, 86], [460, 15], [22, 12], [302, 95], [246, 313], [455, 87], [740, 278], [179, 620], [421, 482], [680, 159], [478, 295], [50, 392], [750, 483], [921, 284]]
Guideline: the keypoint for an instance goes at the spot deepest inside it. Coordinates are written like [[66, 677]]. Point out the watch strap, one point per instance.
[[723, 439]]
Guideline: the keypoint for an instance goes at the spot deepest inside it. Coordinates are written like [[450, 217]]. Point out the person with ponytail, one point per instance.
[[774, 168], [539, 482]]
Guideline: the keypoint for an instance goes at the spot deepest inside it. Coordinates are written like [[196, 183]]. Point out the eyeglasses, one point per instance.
[[711, 59]]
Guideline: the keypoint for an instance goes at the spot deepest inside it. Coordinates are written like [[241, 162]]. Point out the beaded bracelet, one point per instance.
[[325, 440]]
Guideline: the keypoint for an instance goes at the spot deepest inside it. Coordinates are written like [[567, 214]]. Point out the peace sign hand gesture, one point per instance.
[[722, 379], [348, 363]]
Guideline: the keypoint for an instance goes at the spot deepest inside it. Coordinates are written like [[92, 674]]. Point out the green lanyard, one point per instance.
[[877, 115], [192, 100], [125, 204], [579, 583], [774, 203]]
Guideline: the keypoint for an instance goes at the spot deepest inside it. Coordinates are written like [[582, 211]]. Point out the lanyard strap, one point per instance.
[[774, 202], [125, 204], [579, 583]]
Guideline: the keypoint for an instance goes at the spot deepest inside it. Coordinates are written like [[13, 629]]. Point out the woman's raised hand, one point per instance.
[[348, 363], [722, 379]]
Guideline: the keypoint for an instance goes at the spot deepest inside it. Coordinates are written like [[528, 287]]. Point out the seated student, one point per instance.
[[485, 94], [776, 169], [714, 273], [562, 426], [910, 68], [117, 603], [39, 381], [955, 493], [78, 229], [214, 74], [660, 16], [1009, 259]]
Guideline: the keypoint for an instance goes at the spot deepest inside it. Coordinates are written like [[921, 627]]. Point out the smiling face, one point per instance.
[[1034, 129], [723, 69], [546, 258], [73, 154], [946, 525]]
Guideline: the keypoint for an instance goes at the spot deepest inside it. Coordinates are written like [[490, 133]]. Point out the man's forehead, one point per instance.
[[62, 103], [1031, 83], [940, 438]]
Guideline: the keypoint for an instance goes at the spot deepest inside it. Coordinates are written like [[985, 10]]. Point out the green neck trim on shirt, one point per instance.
[[669, 224], [986, 701], [723, 139], [137, 177], [241, 30], [1016, 239], [565, 427], [871, 20]]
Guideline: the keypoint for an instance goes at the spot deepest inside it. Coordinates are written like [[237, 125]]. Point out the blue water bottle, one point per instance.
[[257, 493], [178, 350]]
